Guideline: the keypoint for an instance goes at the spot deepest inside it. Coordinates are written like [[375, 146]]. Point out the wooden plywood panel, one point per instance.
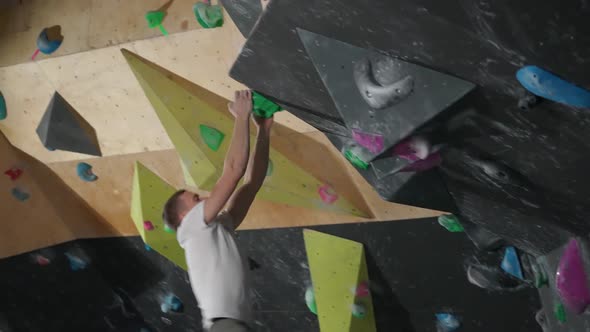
[[52, 214], [86, 24], [110, 196], [115, 21], [73, 17]]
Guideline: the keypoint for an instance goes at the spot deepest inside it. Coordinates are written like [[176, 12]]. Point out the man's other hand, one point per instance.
[[242, 104]]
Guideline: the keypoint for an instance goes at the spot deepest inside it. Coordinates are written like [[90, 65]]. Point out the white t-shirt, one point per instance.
[[216, 267]]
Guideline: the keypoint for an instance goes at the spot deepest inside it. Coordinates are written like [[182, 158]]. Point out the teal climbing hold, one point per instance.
[[447, 322], [77, 262], [20, 194], [84, 171], [147, 247], [511, 264], [209, 16], [211, 136], [270, 168], [3, 111], [171, 303], [262, 107], [355, 160], [450, 222], [310, 300]]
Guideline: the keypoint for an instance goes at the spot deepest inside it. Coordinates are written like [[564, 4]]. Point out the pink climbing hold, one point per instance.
[[571, 282], [14, 173], [433, 160], [327, 194], [148, 226], [413, 148], [362, 290], [42, 260], [372, 142]]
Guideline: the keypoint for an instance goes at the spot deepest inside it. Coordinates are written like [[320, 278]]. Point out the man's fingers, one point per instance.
[[230, 106]]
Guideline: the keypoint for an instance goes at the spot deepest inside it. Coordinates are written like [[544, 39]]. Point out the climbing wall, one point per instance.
[[149, 195], [187, 111], [337, 269]]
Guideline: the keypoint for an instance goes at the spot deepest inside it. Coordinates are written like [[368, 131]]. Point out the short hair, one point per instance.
[[171, 210]]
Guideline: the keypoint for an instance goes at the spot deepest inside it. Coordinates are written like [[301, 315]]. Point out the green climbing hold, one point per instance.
[[451, 223], [540, 275], [310, 300], [155, 19], [270, 168], [211, 136], [3, 112], [209, 16], [262, 107], [356, 161], [559, 312], [168, 229]]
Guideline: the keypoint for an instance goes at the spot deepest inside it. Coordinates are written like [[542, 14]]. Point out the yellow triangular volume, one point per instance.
[[149, 195], [337, 267], [183, 106]]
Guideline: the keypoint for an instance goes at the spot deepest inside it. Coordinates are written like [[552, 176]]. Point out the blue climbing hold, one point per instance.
[[147, 247], [549, 86], [76, 263], [511, 263], [3, 112], [84, 171], [20, 194], [447, 322], [50, 39]]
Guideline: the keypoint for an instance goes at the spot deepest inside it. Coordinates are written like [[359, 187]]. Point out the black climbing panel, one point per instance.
[[416, 269]]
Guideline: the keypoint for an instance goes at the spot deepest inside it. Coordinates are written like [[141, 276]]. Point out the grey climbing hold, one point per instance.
[[372, 77], [63, 128], [492, 278], [84, 172], [541, 319], [527, 100], [385, 167]]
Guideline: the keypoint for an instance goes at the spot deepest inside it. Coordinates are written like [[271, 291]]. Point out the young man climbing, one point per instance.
[[216, 267]]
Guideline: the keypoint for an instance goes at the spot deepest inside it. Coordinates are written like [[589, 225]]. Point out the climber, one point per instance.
[[216, 267]]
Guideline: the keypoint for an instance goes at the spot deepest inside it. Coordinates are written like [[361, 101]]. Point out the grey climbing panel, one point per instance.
[[378, 94]]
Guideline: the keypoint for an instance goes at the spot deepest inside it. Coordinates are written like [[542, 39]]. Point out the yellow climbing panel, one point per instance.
[[149, 195], [183, 106], [337, 267]]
